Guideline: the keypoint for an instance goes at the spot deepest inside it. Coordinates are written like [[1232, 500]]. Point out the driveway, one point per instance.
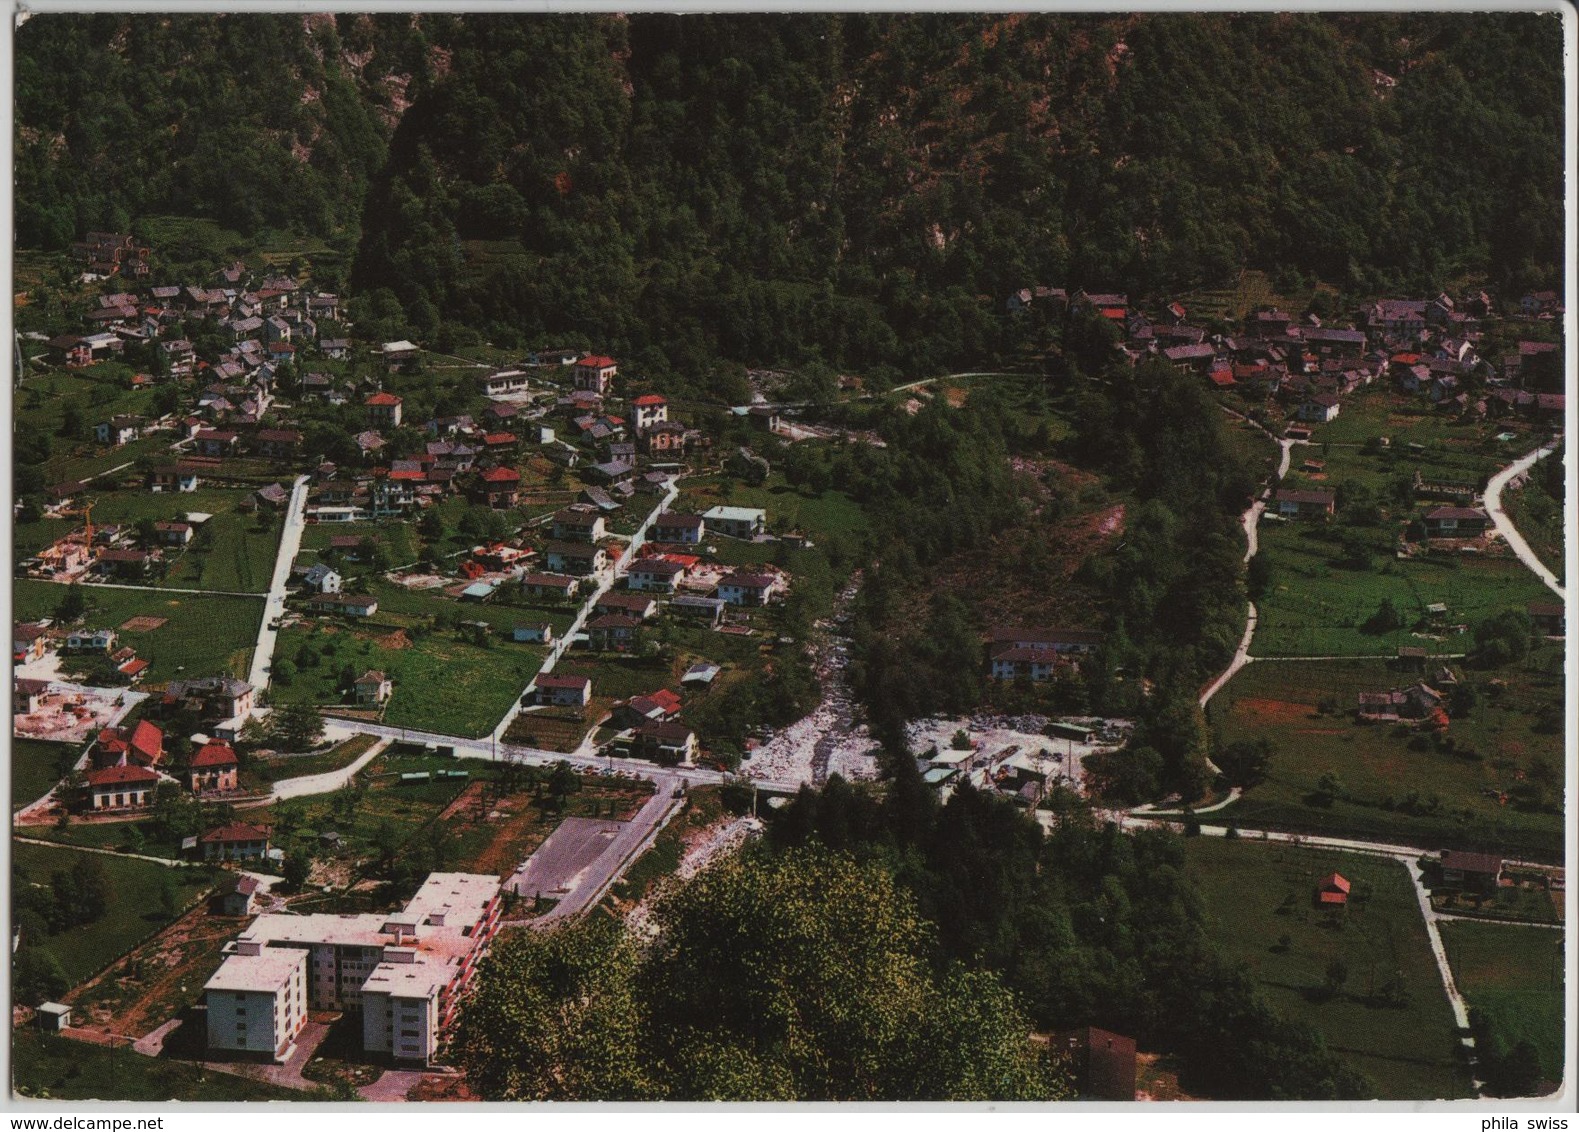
[[330, 780]]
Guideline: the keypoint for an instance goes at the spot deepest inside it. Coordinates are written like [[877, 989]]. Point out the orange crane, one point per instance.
[[86, 511]]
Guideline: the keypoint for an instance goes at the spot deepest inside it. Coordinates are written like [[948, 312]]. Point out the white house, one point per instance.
[[1318, 408], [656, 575], [738, 522]]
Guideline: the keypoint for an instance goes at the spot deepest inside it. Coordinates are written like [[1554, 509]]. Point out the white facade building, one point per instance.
[[257, 1000]]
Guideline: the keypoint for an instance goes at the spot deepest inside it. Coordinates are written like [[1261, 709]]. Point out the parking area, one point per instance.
[[560, 864]]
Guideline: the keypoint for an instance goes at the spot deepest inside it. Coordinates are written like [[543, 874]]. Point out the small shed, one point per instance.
[[53, 1016], [477, 591], [1333, 891], [700, 674]]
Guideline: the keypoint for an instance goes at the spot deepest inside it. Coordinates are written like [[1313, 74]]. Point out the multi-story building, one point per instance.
[[257, 1000], [405, 972]]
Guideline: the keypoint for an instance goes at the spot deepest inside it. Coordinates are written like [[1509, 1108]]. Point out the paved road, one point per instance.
[[104, 852], [330, 780], [170, 590], [494, 751], [590, 881], [1504, 525], [605, 582], [274, 605]]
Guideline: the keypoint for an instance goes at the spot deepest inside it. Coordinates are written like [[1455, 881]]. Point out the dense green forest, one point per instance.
[[860, 188], [870, 931]]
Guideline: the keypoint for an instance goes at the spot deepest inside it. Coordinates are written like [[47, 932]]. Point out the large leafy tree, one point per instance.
[[801, 975]]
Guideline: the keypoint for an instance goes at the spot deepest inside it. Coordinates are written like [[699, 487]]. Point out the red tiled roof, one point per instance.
[[650, 399], [382, 399], [121, 775], [501, 475], [214, 754], [236, 831], [597, 361]]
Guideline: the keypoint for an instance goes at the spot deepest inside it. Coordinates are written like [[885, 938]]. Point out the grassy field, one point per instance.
[[44, 1066], [831, 513], [1258, 899], [203, 634], [134, 909], [1315, 606], [441, 683], [1427, 797], [36, 766], [404, 544], [235, 553], [1515, 974], [267, 771], [1539, 518]]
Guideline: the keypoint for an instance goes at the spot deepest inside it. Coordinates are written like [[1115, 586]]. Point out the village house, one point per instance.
[[1456, 522], [1549, 618], [172, 532], [578, 525], [550, 585], [709, 610], [595, 374], [214, 767], [397, 354], [667, 742], [320, 579], [90, 640], [372, 687], [538, 633], [277, 443], [648, 410], [120, 788], [1415, 703], [653, 708], [562, 691], [1073, 642], [500, 487], [346, 605], [612, 631], [337, 348], [173, 478], [119, 430], [238, 894], [383, 410], [503, 383], [221, 698], [673, 526], [141, 745], [126, 564], [743, 588], [575, 558], [1016, 662], [29, 642], [637, 605], [1318, 408], [736, 522], [1295, 503], [1471, 872], [665, 438], [1538, 303], [657, 575], [216, 442], [236, 841]]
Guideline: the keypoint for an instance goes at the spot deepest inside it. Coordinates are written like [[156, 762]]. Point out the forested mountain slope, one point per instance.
[[863, 187]]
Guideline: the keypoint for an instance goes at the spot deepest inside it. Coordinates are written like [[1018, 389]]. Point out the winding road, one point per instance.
[[1504, 525]]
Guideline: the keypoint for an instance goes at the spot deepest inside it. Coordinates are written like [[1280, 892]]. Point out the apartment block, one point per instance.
[[404, 971]]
